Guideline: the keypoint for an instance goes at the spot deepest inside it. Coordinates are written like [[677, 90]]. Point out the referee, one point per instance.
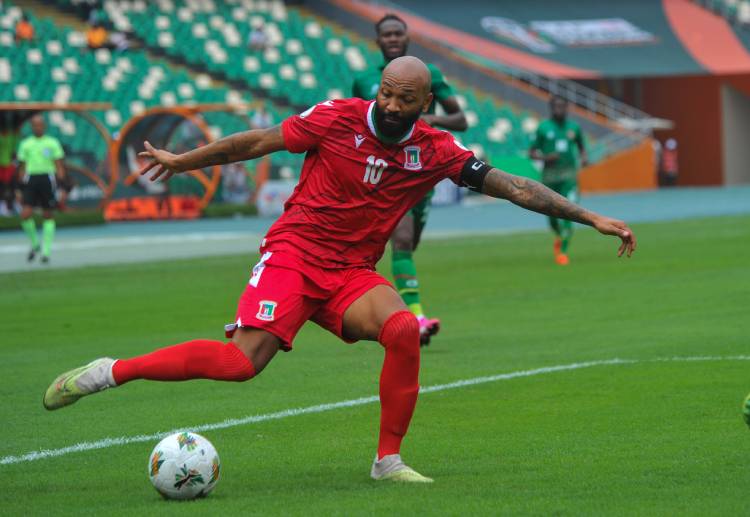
[[40, 157]]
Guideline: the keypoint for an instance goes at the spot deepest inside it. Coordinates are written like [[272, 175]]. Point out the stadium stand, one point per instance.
[[57, 67], [736, 11], [191, 52], [306, 60]]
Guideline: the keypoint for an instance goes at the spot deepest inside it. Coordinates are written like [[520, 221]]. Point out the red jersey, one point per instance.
[[354, 188]]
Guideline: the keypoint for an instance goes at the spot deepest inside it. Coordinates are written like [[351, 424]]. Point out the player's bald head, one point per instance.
[[408, 73], [404, 94]]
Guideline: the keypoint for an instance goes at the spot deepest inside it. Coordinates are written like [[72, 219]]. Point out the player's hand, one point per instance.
[[608, 226], [162, 162]]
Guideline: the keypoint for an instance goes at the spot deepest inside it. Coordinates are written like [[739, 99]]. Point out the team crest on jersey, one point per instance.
[[412, 162], [266, 310]]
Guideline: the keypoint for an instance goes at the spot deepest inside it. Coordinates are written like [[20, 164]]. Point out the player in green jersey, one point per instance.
[[41, 158], [393, 39], [559, 144]]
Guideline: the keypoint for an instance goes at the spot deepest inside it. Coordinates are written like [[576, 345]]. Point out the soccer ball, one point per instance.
[[184, 466]]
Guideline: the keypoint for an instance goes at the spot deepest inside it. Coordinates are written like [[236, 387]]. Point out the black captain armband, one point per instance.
[[473, 173]]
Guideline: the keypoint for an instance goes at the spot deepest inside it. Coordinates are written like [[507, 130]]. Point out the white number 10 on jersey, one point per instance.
[[374, 170]]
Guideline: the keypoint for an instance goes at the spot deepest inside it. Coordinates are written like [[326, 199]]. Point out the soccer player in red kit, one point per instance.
[[367, 163]]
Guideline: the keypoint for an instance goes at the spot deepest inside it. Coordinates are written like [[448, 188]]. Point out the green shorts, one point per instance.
[[420, 212], [566, 188]]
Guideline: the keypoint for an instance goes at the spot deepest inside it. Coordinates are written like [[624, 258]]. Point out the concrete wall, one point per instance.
[[736, 130]]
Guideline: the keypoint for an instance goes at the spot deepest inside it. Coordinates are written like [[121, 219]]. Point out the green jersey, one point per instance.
[[8, 142], [39, 154], [563, 139], [367, 83]]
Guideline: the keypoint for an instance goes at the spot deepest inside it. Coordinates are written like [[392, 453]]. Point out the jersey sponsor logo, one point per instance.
[[266, 310], [358, 139], [412, 162]]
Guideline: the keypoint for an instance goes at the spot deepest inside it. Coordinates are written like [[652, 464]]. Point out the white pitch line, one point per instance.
[[135, 240], [320, 408]]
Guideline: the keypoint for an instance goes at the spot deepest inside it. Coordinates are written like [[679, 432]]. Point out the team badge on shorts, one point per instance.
[[412, 162], [266, 310]]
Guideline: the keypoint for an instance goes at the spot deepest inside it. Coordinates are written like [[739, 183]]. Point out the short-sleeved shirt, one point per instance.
[[354, 186], [366, 85], [40, 153], [564, 139]]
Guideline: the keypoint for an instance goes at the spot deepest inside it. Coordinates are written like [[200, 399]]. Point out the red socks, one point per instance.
[[197, 359], [204, 359], [399, 379]]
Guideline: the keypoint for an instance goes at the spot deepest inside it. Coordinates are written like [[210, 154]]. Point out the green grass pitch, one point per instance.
[[645, 438]]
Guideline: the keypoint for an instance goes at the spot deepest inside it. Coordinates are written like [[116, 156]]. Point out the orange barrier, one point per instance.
[[145, 207], [633, 169]]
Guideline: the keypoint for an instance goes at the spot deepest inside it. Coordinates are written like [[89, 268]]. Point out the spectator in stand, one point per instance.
[[261, 119], [235, 189], [96, 36], [119, 41], [24, 30], [258, 39], [669, 164]]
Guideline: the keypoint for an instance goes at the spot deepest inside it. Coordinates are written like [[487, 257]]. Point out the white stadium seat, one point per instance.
[[165, 39], [34, 56], [54, 48], [113, 118], [162, 22], [251, 64], [186, 90], [71, 65], [304, 63], [21, 92], [168, 99], [307, 80], [6, 74]]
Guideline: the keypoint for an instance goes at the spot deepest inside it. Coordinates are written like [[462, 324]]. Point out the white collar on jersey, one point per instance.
[[370, 124]]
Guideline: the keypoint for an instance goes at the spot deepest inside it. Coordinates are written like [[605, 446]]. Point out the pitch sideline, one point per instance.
[[320, 408]]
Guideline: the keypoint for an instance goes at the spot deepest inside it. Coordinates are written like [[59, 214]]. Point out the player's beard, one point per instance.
[[394, 126]]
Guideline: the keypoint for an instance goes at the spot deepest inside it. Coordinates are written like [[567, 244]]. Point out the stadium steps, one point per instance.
[[50, 10]]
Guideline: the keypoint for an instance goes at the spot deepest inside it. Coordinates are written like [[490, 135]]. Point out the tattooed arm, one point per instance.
[[238, 147], [534, 196]]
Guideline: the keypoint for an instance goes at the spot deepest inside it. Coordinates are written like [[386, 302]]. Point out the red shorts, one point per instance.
[[284, 292], [6, 173]]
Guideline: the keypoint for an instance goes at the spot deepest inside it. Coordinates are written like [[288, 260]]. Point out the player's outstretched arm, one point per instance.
[[532, 195], [238, 147]]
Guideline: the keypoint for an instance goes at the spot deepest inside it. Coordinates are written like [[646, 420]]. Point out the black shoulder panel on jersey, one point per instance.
[[473, 173]]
